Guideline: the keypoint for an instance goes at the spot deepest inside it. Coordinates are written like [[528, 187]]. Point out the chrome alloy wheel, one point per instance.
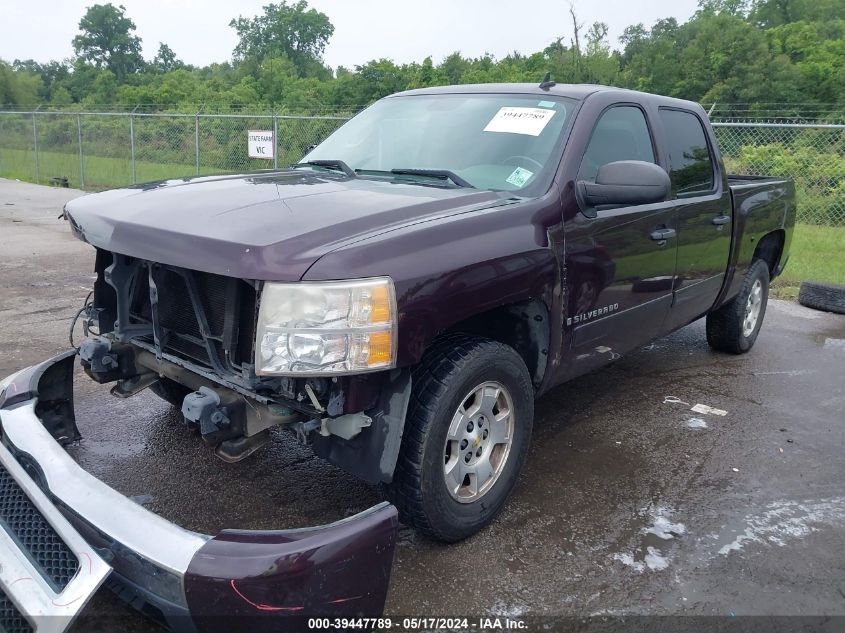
[[478, 442], [752, 308]]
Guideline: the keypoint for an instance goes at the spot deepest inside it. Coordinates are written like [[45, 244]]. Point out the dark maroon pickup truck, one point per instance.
[[398, 299]]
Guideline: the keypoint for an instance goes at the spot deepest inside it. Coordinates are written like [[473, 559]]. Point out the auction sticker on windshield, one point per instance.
[[519, 177], [513, 120]]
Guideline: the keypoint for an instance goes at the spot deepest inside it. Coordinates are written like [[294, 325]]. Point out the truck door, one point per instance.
[[620, 265], [702, 216]]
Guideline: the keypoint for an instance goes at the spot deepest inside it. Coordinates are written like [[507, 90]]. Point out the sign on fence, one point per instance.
[[261, 144]]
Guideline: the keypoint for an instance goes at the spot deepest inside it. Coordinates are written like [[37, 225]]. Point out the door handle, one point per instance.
[[719, 220], [661, 235]]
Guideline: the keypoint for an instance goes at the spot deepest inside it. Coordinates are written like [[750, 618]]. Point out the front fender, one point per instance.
[[452, 269]]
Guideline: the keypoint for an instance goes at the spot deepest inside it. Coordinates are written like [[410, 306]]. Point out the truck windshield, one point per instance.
[[490, 141]]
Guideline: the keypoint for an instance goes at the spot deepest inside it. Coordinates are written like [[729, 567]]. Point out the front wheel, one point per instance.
[[466, 437], [734, 327]]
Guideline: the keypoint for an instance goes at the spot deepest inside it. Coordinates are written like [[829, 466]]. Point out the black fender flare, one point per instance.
[[372, 454]]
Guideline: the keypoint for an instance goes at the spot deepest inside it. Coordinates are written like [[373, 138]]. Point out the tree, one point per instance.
[[52, 74], [293, 31], [276, 78], [103, 91], [18, 88], [106, 40], [650, 61], [379, 78], [166, 60], [599, 65], [731, 7], [769, 13], [576, 41]]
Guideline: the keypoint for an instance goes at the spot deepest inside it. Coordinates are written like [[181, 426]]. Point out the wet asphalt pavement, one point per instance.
[[628, 505]]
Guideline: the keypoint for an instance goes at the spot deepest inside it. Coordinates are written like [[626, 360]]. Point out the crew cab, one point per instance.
[[398, 299]]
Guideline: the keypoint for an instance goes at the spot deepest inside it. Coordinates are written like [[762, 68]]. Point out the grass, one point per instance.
[[818, 254], [100, 172]]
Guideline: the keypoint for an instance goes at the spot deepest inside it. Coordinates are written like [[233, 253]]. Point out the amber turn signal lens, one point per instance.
[[381, 304], [380, 348]]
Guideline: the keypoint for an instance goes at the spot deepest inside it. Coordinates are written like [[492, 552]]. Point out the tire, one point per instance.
[[455, 374], [170, 391], [827, 297], [727, 327]]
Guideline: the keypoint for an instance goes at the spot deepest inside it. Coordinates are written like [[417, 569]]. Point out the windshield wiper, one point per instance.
[[331, 164], [442, 174]]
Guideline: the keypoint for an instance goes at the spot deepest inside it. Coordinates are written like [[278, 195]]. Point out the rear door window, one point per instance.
[[621, 134], [690, 159]]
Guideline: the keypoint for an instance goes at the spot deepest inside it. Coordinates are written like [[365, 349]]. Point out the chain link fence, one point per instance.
[[110, 149], [101, 150], [813, 155]]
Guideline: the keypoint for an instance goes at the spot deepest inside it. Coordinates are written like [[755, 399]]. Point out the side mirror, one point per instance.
[[624, 183]]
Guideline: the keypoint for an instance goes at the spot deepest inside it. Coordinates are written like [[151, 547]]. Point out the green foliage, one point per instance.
[[730, 51], [816, 256], [18, 88], [165, 60], [53, 76], [815, 164], [770, 13], [106, 40], [293, 31]]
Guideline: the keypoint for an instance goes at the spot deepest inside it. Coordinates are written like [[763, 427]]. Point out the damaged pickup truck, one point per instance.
[[398, 300]]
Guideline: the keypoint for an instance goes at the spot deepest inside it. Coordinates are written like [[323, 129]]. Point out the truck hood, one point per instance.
[[270, 226]]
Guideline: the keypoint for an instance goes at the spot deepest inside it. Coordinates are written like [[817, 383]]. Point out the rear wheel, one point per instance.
[[466, 437], [734, 327], [170, 391]]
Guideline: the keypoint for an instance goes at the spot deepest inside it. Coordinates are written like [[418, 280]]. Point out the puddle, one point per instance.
[[781, 522], [652, 552], [696, 423], [790, 372], [503, 609], [834, 343]]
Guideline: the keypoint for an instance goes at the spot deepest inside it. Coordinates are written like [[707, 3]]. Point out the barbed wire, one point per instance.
[[181, 108], [775, 112]]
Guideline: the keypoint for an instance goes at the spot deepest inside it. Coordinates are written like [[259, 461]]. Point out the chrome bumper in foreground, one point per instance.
[[253, 580]]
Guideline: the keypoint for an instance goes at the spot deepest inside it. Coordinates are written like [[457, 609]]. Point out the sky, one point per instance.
[[198, 31]]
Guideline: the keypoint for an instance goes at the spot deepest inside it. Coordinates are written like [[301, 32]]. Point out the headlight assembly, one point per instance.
[[326, 328]]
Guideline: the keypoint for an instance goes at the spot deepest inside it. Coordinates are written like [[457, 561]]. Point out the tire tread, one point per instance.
[[447, 357], [724, 325], [822, 296]]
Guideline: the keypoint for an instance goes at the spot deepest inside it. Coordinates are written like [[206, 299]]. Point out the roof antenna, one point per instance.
[[547, 82]]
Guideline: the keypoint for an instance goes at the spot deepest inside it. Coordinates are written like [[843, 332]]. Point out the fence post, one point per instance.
[[35, 146], [132, 145], [81, 158], [275, 141], [197, 138]]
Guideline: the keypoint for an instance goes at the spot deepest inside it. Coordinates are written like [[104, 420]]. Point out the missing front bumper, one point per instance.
[[187, 581]]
